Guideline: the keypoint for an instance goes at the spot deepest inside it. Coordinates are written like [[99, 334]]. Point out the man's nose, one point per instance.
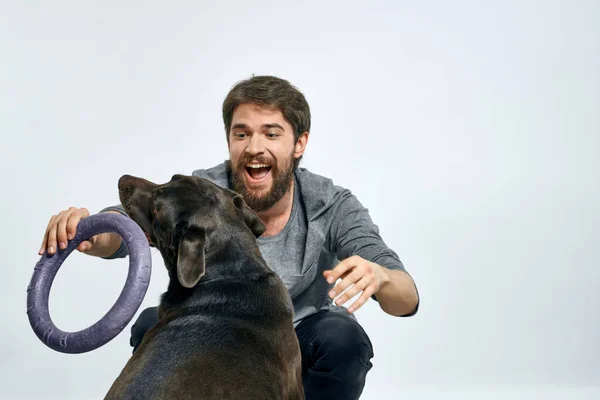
[[255, 145]]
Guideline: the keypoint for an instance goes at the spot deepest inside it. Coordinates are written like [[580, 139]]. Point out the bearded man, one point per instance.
[[316, 234]]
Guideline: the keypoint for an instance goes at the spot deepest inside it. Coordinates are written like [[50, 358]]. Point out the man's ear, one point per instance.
[[190, 258], [250, 217], [300, 145]]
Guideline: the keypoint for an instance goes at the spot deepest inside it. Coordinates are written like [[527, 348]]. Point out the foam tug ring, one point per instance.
[[123, 310]]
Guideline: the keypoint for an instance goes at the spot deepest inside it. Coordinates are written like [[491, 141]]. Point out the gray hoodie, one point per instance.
[[327, 224]]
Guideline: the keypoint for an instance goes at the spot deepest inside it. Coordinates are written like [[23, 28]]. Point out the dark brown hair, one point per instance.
[[269, 92]]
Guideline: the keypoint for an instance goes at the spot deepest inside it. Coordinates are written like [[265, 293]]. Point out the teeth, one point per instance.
[[257, 166]]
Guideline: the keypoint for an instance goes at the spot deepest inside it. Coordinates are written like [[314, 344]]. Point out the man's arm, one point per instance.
[[398, 294], [367, 262], [110, 244], [105, 244], [63, 227]]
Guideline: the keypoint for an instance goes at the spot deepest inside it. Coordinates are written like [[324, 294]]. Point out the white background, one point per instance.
[[469, 129]]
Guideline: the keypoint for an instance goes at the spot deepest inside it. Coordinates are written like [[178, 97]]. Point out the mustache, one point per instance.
[[260, 159]]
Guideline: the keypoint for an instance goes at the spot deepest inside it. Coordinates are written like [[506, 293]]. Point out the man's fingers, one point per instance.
[[84, 246], [353, 291], [328, 272], [350, 279], [345, 274], [45, 239], [44, 243], [61, 230], [364, 297], [73, 221], [341, 268], [51, 240], [353, 271]]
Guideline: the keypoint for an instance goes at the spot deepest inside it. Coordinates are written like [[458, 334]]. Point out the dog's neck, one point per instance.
[[237, 259]]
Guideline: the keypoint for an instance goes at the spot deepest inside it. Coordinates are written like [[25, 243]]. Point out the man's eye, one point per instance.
[[239, 135], [272, 135]]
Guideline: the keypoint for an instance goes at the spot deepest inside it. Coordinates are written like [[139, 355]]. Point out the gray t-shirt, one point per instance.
[[327, 224], [286, 249]]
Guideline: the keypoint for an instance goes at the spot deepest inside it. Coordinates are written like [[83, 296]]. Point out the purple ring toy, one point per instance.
[[121, 313]]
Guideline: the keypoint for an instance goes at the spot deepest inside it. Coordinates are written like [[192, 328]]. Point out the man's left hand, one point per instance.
[[366, 276]]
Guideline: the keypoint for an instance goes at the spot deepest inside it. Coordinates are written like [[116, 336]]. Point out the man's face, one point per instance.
[[262, 152]]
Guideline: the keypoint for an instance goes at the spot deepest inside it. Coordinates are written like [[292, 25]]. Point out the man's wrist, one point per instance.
[[386, 276]]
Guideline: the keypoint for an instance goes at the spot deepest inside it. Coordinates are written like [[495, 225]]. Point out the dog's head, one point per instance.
[[186, 218]]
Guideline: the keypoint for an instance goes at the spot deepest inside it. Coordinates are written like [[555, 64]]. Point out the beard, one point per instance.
[[281, 182]]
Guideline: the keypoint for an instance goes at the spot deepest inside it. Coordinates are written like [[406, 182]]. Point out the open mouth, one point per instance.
[[149, 240], [257, 172]]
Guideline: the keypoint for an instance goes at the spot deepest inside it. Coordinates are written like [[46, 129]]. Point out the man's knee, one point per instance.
[[146, 320], [336, 356], [342, 339]]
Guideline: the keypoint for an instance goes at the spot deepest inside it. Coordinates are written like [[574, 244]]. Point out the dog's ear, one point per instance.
[[177, 177], [250, 217], [190, 258]]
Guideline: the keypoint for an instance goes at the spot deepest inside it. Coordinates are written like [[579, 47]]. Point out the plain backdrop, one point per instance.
[[469, 129]]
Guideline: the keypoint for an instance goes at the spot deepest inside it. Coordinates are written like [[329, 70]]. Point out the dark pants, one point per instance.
[[336, 353]]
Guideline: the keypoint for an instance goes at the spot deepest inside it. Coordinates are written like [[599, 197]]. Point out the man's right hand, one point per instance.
[[62, 228]]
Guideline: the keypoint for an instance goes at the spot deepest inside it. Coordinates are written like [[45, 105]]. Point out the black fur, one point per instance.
[[225, 326]]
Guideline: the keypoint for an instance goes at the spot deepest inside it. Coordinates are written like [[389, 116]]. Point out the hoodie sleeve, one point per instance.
[[353, 232]]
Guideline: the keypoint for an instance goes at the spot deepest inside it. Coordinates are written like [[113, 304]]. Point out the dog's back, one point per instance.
[[233, 353]]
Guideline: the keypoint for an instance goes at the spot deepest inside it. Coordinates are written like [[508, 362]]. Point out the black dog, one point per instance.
[[225, 326]]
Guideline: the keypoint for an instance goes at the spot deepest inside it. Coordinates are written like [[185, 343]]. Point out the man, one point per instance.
[[311, 224]]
